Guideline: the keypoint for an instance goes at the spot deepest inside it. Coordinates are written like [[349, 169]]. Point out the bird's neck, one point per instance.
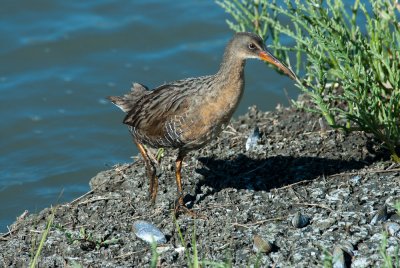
[[230, 77], [225, 95], [231, 69]]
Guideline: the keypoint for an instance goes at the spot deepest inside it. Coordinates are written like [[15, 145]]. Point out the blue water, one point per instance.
[[60, 59]]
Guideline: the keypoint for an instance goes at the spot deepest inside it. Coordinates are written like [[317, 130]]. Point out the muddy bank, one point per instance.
[[337, 182]]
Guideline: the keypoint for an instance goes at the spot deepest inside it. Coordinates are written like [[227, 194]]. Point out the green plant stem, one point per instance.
[[43, 239], [355, 47]]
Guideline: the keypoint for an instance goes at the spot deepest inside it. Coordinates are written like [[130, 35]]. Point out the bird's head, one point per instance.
[[251, 46]]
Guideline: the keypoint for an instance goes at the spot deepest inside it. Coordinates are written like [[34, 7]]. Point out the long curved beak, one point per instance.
[[268, 57]]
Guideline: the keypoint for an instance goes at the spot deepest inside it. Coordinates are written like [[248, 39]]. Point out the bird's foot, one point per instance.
[[181, 208]]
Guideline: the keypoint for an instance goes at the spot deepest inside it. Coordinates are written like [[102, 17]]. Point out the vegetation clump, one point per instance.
[[350, 57]]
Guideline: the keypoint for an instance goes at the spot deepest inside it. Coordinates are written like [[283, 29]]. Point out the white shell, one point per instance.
[[338, 260], [253, 139], [148, 232], [348, 248]]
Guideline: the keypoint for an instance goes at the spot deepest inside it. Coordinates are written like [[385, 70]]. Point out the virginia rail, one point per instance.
[[187, 114]]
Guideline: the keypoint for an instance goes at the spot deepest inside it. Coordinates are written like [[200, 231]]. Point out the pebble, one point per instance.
[[355, 180], [360, 262], [162, 249], [300, 221], [317, 193], [148, 232], [324, 224], [380, 216], [261, 245], [393, 228]]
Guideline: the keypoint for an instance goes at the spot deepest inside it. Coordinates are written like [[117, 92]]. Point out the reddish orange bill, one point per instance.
[[268, 57]]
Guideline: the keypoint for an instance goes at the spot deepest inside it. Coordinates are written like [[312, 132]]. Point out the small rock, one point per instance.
[[87, 245], [317, 193], [360, 262], [148, 232], [100, 179], [325, 223], [355, 180], [300, 221], [395, 217], [380, 216], [260, 245], [393, 228], [180, 249], [162, 249]]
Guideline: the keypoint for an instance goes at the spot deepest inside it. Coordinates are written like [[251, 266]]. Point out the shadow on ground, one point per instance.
[[273, 172]]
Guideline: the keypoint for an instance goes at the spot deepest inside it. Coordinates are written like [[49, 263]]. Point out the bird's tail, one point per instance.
[[128, 101]]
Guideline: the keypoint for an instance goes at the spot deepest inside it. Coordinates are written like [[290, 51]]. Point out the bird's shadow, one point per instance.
[[243, 172]]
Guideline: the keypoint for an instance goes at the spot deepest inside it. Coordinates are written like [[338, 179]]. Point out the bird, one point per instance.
[[187, 114]]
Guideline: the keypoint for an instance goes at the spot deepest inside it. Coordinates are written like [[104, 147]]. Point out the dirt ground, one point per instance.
[[337, 181]]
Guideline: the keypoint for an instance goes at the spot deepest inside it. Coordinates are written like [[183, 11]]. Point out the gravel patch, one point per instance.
[[295, 196]]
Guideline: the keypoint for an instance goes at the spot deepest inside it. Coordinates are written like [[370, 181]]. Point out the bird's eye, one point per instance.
[[252, 46]]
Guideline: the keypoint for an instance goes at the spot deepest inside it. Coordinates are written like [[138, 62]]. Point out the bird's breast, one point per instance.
[[211, 113]]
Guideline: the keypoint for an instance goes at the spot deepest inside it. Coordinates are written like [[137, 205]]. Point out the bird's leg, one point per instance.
[[151, 172], [179, 204], [178, 167]]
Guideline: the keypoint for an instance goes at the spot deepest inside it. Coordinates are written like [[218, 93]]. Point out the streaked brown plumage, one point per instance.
[[188, 113]]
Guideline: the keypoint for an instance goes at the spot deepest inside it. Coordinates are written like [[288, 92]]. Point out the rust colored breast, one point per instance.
[[210, 114]]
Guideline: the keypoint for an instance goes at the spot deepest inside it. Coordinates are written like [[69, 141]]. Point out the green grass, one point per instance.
[[349, 57], [192, 257], [191, 254], [86, 237], [389, 261], [327, 261], [397, 207], [82, 236], [154, 255], [43, 239], [191, 260]]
